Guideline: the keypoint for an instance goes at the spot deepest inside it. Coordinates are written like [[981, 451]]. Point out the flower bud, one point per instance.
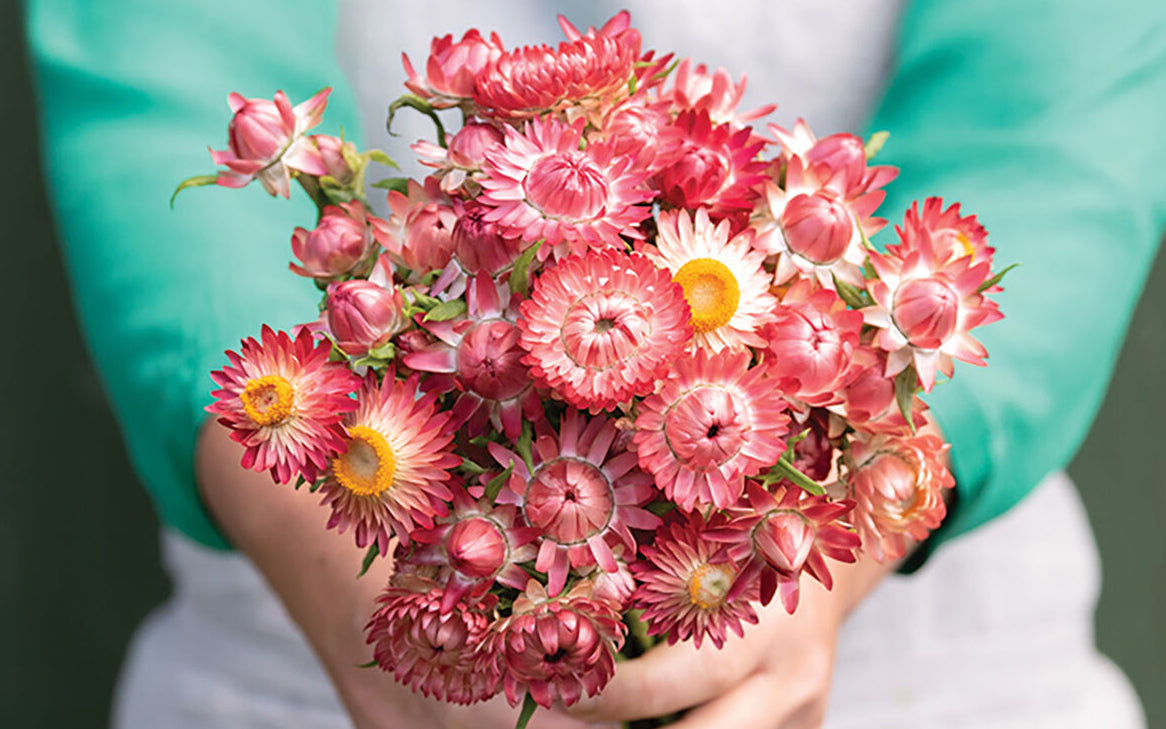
[[840, 159], [333, 248], [785, 539], [476, 547], [332, 152], [817, 228], [452, 67], [363, 316], [467, 148], [259, 131], [925, 311]]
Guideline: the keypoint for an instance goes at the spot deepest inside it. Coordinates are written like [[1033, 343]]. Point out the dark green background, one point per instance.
[[78, 557]]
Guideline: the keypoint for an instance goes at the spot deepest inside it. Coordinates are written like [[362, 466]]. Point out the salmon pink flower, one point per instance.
[[898, 487], [335, 153], [478, 244], [283, 401], [556, 648], [944, 233], [420, 230], [868, 401], [434, 651], [392, 475], [362, 316], [452, 68], [723, 280], [265, 140], [684, 586], [645, 133], [714, 422], [697, 89], [542, 186], [461, 159], [342, 241], [603, 328], [583, 495]]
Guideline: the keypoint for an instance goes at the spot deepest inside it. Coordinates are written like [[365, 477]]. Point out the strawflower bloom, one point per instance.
[[392, 476], [342, 241], [945, 233], [452, 67], [723, 280], [266, 140], [283, 401], [420, 230], [603, 328], [714, 422], [362, 315], [684, 586], [694, 88]]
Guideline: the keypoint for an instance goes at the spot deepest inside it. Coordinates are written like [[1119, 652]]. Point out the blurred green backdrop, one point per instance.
[[78, 555]]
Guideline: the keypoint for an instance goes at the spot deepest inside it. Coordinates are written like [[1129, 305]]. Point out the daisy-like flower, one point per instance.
[[777, 536], [723, 280], [479, 355], [603, 328], [431, 650], [684, 586], [898, 486], [714, 422], [542, 186], [581, 496], [947, 234], [283, 401], [556, 647], [392, 475]]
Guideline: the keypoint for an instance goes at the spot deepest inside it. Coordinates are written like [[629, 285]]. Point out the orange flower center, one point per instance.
[[708, 585], [711, 291], [268, 400], [367, 467]]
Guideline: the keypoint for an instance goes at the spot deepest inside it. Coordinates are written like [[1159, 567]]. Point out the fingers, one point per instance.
[[761, 702], [497, 714]]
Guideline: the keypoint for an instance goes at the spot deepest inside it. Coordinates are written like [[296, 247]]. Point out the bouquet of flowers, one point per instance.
[[620, 368]]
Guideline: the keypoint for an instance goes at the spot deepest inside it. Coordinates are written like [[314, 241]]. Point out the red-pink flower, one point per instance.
[[283, 401], [898, 486], [684, 586], [944, 234], [714, 422], [420, 230], [265, 140], [362, 316], [542, 186], [434, 651], [603, 328], [478, 244], [341, 242], [392, 475], [461, 159], [868, 401], [452, 67], [583, 495], [556, 648], [716, 93]]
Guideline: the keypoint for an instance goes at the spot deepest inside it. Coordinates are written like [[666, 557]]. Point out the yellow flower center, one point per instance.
[[708, 585], [712, 293], [268, 400], [967, 244], [367, 467]]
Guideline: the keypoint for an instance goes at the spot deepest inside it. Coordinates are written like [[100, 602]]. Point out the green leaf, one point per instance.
[[300, 481], [789, 471], [386, 352], [372, 553], [995, 279], [854, 297], [471, 467], [380, 157], [370, 664], [415, 102], [400, 184], [494, 485], [520, 275], [196, 181], [875, 144], [528, 707], [905, 383], [522, 445], [446, 310], [660, 508]]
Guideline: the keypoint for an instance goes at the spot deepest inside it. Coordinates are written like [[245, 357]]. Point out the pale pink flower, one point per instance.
[[362, 316], [283, 401], [697, 89], [723, 280], [603, 328], [898, 486], [420, 230], [341, 242], [452, 67], [542, 186], [714, 422], [684, 586], [266, 140], [583, 495], [392, 476], [434, 651], [556, 648]]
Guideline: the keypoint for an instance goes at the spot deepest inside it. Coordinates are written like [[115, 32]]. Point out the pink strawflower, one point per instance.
[[343, 241], [283, 401], [265, 140], [714, 422], [868, 401], [434, 651], [603, 328], [452, 68], [460, 160], [723, 280], [684, 586], [541, 186], [583, 495], [420, 230], [780, 535], [898, 486], [556, 648], [944, 233], [697, 89], [336, 155], [392, 477], [645, 133], [478, 244], [362, 315], [479, 355]]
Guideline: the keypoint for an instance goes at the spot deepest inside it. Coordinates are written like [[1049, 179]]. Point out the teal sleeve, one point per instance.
[[1048, 121], [132, 93]]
